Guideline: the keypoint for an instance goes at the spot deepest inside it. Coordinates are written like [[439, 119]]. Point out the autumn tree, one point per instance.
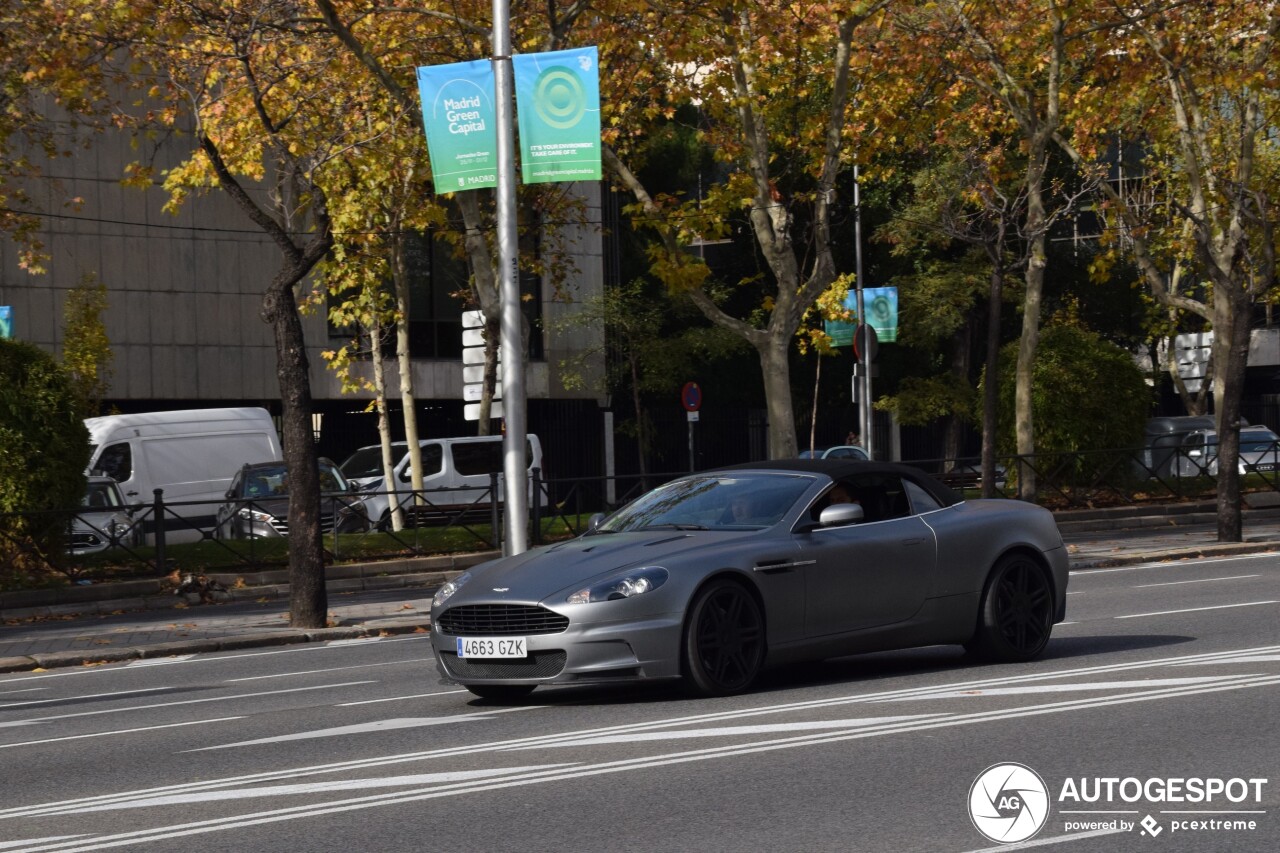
[[86, 349], [1194, 85], [775, 85], [257, 89]]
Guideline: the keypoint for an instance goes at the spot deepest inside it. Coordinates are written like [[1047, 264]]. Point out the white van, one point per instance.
[[192, 455], [455, 474]]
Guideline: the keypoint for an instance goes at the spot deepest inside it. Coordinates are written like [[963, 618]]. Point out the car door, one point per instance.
[[872, 573]]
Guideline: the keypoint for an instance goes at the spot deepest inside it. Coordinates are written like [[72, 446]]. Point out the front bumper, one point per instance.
[[630, 649]]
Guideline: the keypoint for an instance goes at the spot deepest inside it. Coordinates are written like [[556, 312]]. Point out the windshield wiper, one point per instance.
[[673, 527]]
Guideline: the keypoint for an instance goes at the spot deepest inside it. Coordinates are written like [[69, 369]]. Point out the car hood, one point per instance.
[[536, 574]]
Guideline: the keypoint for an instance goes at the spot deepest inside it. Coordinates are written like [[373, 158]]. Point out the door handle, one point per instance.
[[916, 541]]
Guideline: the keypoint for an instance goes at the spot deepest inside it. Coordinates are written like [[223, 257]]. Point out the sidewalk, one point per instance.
[[384, 599]]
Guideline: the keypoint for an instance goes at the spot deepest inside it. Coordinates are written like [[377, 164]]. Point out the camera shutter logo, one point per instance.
[[1008, 803]]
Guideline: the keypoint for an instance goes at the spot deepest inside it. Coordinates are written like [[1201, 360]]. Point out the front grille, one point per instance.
[[498, 620], [281, 524], [538, 665]]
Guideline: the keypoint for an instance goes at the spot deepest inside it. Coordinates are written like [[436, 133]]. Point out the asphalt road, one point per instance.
[[1162, 672]]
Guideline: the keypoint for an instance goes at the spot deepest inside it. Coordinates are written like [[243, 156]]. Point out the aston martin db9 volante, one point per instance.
[[716, 575]]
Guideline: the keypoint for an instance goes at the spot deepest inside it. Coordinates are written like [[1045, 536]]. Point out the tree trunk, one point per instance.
[[489, 387], [991, 383], [384, 429], [400, 274], [1231, 351], [308, 602], [642, 435], [1024, 425], [961, 345], [777, 394]]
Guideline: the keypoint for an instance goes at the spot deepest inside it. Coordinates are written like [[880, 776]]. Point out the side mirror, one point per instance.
[[838, 514], [595, 521]]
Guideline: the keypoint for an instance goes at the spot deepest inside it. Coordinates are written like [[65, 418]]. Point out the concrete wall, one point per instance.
[[185, 290]]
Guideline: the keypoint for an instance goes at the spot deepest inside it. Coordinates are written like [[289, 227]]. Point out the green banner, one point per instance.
[[458, 114], [882, 312], [6, 321], [558, 111]]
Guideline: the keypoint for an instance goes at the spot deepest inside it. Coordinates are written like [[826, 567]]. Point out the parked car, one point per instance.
[[257, 504], [681, 584], [104, 520], [1198, 454], [455, 476], [843, 451]]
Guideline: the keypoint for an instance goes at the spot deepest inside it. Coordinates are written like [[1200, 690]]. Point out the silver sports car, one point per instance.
[[716, 575]]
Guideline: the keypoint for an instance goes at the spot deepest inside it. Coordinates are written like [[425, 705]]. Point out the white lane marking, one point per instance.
[[1247, 659], [325, 787], [375, 726], [183, 702], [1197, 580], [1176, 564], [118, 732], [1042, 842], [160, 661], [448, 752], [23, 690], [734, 731], [327, 669], [1075, 593], [86, 696], [9, 845], [577, 772], [1196, 609], [1067, 688], [209, 657], [398, 698], [354, 641]]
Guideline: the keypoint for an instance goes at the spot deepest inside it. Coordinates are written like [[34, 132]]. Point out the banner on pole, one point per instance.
[[558, 113], [6, 321], [882, 314], [458, 115]]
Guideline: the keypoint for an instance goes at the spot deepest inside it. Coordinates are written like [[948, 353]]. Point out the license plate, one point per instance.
[[492, 647]]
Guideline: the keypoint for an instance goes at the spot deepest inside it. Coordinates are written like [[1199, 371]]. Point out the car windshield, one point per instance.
[[367, 461], [101, 496], [274, 481], [712, 502]]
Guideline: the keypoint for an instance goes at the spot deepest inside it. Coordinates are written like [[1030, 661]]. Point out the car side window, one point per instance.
[[116, 461], [432, 463], [882, 496], [921, 501]]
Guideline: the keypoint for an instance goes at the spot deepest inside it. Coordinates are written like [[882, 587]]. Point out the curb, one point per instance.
[[54, 660], [1232, 549]]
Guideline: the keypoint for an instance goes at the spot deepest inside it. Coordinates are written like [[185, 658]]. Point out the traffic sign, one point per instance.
[[691, 397], [871, 343]]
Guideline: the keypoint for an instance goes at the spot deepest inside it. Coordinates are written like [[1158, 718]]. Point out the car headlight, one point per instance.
[[443, 593], [256, 515], [628, 585]]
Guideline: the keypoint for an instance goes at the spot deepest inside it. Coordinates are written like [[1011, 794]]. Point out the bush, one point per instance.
[[44, 448], [1087, 395]]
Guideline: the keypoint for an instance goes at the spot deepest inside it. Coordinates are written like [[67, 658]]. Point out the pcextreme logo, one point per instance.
[[1008, 803]]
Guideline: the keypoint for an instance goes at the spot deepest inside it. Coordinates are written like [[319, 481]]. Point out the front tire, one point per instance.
[[501, 692], [1016, 616], [724, 640]]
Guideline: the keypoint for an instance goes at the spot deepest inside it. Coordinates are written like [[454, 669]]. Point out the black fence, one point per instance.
[[156, 538]]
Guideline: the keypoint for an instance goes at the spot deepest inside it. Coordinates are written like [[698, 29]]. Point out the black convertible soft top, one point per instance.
[[839, 468]]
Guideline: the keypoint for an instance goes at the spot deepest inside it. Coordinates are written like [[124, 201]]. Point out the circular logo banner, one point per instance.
[[559, 97], [1008, 803]]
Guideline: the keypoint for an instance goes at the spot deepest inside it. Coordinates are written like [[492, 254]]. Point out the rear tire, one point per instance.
[[1016, 615], [501, 692], [724, 640]]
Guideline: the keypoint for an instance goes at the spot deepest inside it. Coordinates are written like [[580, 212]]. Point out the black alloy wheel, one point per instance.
[[1017, 612], [724, 640]]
